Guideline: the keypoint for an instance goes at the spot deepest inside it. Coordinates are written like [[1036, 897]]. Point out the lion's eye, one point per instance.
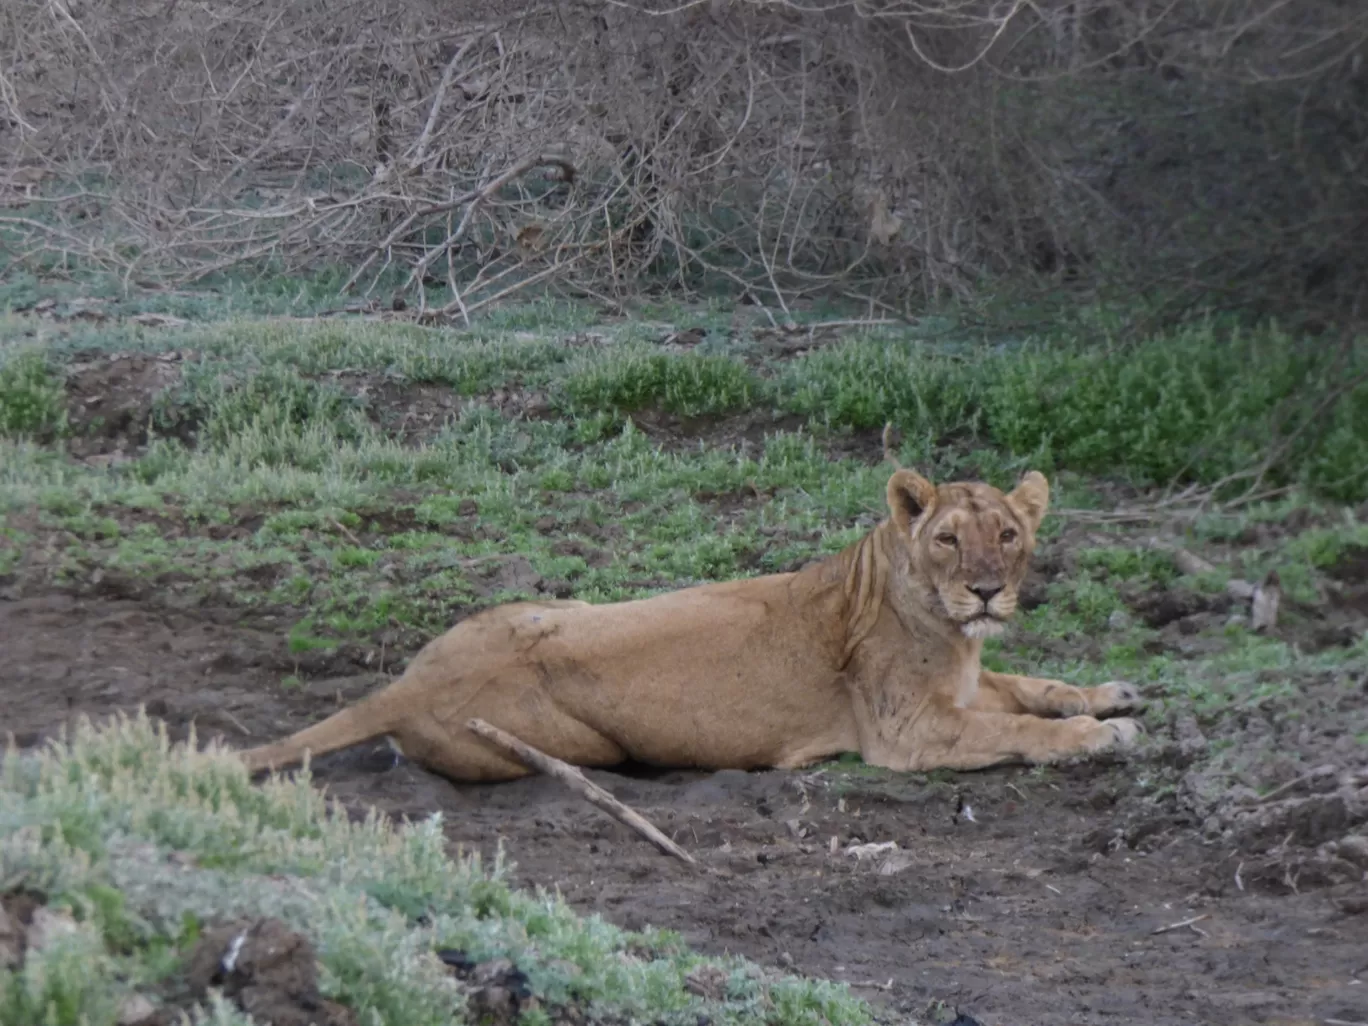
[[947, 539], [1008, 536]]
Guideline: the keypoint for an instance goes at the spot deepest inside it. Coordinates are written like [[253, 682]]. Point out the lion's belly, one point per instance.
[[679, 685]]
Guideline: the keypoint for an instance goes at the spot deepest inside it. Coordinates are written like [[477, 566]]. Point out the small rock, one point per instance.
[[136, 1010], [1191, 740], [496, 1003], [502, 992], [895, 864], [268, 970], [1353, 848], [486, 972], [1263, 614], [864, 851], [707, 981], [1119, 620], [49, 926]]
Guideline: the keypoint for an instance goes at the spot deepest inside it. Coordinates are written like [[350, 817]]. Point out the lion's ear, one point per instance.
[[909, 497], [1031, 497]]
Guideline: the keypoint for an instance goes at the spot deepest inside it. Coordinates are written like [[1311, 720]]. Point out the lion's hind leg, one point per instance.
[[455, 753], [442, 742]]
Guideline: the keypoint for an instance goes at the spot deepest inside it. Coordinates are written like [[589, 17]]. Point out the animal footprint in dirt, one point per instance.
[[1115, 696]]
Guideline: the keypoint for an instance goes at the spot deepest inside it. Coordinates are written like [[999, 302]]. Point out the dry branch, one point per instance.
[[791, 150], [572, 778]]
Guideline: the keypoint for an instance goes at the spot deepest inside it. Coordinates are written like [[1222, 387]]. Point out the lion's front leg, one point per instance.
[[1008, 693], [967, 739]]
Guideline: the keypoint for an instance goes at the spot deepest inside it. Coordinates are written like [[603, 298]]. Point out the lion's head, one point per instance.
[[968, 544]]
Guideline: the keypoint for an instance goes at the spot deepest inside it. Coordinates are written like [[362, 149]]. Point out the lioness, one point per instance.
[[873, 650]]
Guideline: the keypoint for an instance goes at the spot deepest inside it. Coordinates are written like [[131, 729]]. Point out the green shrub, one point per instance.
[[865, 384], [32, 398], [690, 385], [1192, 405], [274, 403], [1186, 405]]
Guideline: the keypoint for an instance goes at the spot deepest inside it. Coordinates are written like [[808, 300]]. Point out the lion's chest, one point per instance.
[[967, 683]]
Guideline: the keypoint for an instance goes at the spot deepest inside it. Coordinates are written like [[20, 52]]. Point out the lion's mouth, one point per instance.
[[982, 625]]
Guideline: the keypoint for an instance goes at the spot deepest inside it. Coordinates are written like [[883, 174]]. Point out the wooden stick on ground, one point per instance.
[[1179, 925], [572, 778]]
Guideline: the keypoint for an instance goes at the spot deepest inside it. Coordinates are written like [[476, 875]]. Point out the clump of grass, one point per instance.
[[1128, 563], [1188, 403], [469, 361], [689, 385], [221, 407], [92, 823], [865, 383], [1195, 404], [32, 398]]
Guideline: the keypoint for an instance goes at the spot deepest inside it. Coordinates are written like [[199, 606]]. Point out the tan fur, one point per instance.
[[873, 650]]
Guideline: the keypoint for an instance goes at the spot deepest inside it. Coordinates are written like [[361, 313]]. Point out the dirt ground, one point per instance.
[[1038, 905]]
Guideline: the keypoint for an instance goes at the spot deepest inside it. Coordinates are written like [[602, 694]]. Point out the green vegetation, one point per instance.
[[95, 824], [31, 395], [367, 484], [690, 385], [1194, 405]]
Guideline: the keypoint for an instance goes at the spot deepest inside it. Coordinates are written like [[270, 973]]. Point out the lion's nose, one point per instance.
[[986, 591]]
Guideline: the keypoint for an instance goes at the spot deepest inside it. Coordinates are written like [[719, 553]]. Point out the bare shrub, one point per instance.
[[894, 151]]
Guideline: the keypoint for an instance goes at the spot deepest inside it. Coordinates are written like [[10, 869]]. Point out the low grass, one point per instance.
[[95, 824]]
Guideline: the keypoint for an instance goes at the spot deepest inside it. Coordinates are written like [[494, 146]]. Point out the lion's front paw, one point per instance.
[[1125, 732], [1114, 697]]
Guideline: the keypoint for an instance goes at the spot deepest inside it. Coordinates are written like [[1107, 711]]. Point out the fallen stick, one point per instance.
[[1178, 926], [1186, 562], [1263, 598], [572, 778], [1309, 777]]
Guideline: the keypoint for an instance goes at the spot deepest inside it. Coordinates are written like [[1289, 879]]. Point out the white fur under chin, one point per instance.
[[983, 627]]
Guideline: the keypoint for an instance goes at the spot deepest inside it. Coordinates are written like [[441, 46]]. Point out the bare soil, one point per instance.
[[273, 975]]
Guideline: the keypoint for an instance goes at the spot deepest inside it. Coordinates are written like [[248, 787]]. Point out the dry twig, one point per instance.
[[1182, 924], [574, 779]]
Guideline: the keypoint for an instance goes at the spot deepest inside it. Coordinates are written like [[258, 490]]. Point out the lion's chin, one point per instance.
[[981, 627]]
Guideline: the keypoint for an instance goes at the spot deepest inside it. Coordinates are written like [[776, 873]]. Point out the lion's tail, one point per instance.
[[368, 718]]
